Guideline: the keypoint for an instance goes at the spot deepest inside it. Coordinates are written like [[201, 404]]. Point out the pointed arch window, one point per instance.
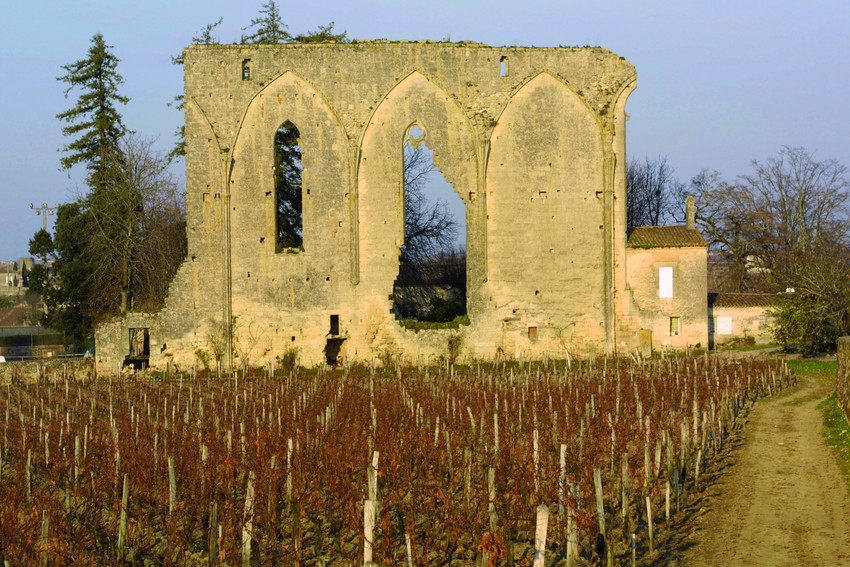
[[289, 221], [431, 283]]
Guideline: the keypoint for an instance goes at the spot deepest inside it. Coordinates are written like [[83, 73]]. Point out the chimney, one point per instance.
[[689, 212]]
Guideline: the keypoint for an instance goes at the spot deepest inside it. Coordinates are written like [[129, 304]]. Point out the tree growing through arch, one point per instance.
[[431, 284]]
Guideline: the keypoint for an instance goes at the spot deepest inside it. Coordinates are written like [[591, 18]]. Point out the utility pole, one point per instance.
[[44, 210]]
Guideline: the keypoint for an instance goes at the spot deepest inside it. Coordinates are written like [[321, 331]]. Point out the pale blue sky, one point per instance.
[[719, 83]]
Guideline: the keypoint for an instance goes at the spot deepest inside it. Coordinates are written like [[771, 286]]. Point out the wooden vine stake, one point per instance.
[[624, 498], [289, 448], [649, 524], [572, 530], [370, 509], [248, 523], [172, 486], [409, 550], [491, 499], [600, 512], [122, 521], [45, 538], [540, 535], [213, 534], [29, 473]]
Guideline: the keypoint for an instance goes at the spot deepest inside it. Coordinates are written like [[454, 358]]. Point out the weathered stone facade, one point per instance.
[[532, 139]]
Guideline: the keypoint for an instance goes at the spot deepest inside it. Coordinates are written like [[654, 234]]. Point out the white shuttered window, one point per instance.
[[665, 281]]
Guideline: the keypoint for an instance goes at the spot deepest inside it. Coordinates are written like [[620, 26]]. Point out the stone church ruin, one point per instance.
[[531, 139]]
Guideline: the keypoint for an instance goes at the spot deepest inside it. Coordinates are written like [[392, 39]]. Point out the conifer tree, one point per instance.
[[268, 28], [94, 121]]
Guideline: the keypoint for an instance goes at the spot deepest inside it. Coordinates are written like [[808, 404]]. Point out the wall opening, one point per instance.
[[431, 283], [246, 69], [334, 342], [139, 351], [289, 222], [503, 66]]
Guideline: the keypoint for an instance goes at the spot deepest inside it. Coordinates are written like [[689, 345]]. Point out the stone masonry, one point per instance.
[[532, 139]]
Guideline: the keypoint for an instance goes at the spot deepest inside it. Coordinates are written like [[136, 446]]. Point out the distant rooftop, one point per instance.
[[665, 237], [740, 299]]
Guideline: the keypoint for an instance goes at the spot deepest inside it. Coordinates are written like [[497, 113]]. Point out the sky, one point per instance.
[[720, 83]]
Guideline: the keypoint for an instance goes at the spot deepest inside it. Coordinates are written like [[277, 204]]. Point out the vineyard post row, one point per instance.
[[153, 472]]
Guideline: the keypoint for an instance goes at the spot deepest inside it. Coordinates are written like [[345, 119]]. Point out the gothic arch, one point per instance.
[[414, 100], [545, 214], [325, 182]]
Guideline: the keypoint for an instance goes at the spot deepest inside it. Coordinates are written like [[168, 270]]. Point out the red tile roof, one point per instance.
[[665, 237]]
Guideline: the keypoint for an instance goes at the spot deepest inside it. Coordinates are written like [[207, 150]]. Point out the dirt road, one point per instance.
[[782, 501]]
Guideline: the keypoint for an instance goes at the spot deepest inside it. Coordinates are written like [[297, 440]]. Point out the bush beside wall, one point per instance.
[[842, 380]]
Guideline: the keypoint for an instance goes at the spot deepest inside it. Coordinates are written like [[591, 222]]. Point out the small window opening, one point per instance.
[[334, 325], [675, 327], [246, 69], [289, 221], [532, 332], [431, 282], [503, 66], [665, 282]]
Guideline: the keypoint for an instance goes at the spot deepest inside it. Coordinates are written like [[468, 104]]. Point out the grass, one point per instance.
[[821, 370], [836, 432], [456, 323]]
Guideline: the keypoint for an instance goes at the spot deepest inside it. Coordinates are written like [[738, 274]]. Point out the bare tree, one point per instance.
[[804, 204], [650, 188], [728, 218], [429, 226], [788, 224], [136, 230], [428, 255]]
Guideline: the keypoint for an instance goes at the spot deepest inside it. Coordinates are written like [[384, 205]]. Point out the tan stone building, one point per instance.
[[667, 279], [739, 316], [531, 139]]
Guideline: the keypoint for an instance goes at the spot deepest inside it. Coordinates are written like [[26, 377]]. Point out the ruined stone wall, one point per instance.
[[532, 140], [51, 370], [690, 293]]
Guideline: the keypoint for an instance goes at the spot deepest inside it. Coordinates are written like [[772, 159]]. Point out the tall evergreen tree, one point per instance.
[[94, 121]]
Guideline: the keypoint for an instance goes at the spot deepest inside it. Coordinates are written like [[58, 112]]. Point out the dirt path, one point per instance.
[[782, 501]]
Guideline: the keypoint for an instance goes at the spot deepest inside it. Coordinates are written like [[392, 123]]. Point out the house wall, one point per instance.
[[689, 294], [746, 322], [536, 156]]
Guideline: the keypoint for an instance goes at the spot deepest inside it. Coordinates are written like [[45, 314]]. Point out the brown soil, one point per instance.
[[781, 499]]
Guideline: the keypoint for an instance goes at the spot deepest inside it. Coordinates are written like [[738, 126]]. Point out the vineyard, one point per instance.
[[543, 463]]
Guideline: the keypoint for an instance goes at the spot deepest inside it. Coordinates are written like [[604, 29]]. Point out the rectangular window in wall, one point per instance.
[[675, 326], [665, 281], [723, 326]]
